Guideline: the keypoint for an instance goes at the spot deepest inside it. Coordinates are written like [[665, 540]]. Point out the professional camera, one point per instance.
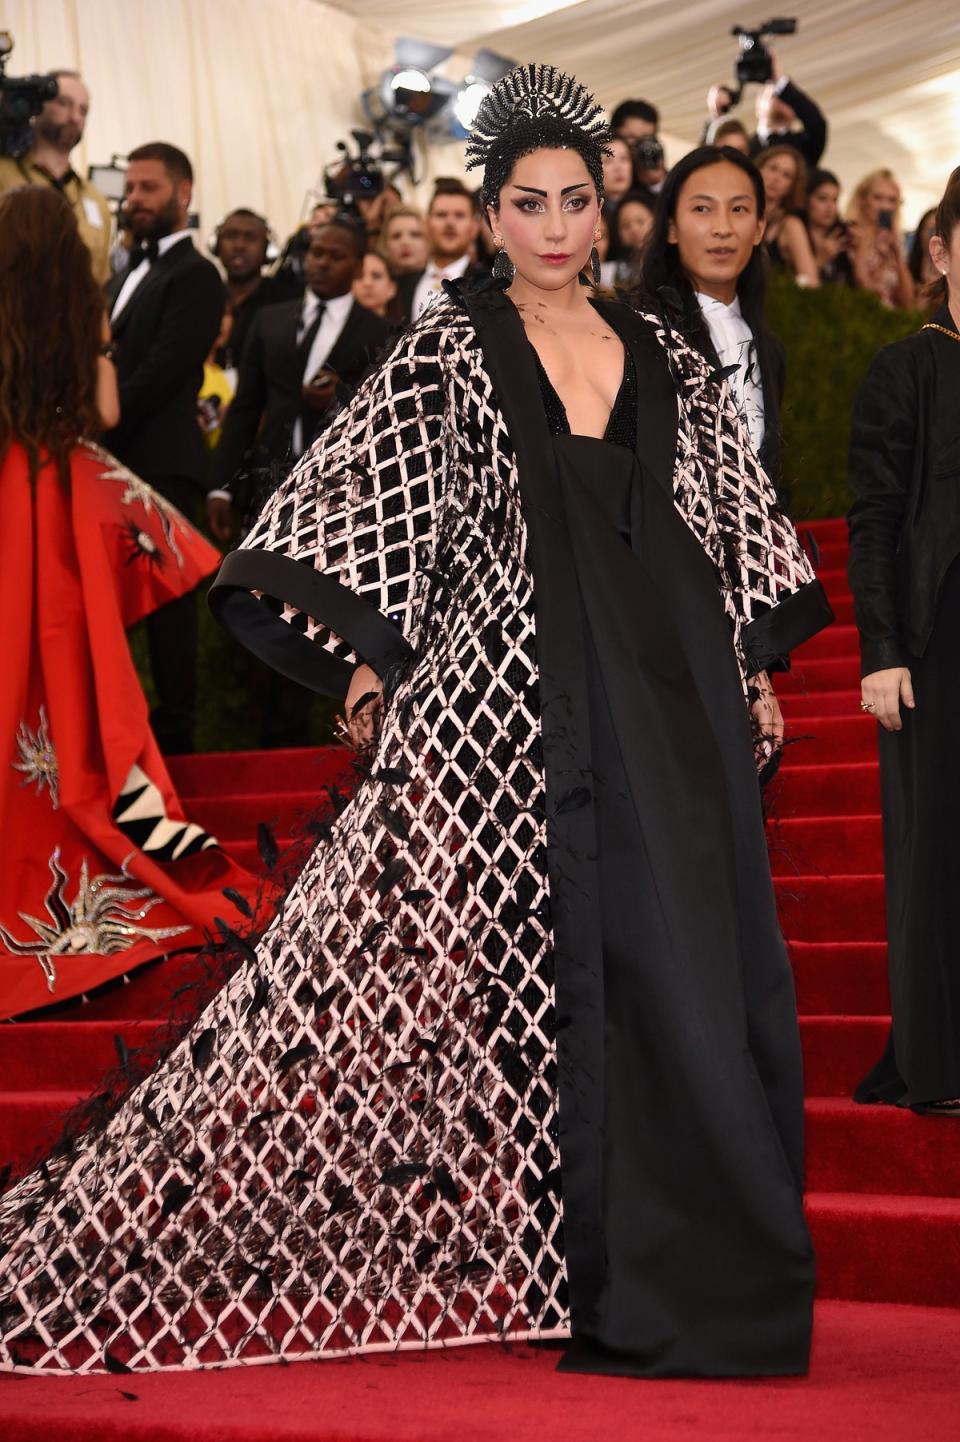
[[360, 176], [754, 65], [20, 101], [648, 153]]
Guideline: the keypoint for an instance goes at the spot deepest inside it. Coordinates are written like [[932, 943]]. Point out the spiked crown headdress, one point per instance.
[[535, 106]]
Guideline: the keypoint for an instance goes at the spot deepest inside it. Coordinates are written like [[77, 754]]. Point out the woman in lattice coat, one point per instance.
[[519, 1055]]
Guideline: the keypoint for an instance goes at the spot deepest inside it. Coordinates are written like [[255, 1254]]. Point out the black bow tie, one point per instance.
[[147, 250]]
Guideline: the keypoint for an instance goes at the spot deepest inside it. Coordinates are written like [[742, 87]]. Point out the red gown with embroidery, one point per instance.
[[103, 871]]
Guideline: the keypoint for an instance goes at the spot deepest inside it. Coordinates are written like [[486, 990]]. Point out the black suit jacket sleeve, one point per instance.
[[882, 444], [245, 411], [186, 329], [813, 141]]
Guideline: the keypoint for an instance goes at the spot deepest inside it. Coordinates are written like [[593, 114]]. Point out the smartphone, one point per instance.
[[885, 220]]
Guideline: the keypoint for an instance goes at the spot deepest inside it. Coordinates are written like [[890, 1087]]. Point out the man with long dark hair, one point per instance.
[[704, 270]]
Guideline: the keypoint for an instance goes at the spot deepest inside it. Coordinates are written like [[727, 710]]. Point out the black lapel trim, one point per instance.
[[161, 268], [571, 830]]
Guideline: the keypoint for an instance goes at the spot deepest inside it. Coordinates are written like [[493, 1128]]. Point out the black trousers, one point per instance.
[[172, 638]]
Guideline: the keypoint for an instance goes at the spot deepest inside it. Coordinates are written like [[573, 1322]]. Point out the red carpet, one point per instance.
[[879, 1374], [884, 1198]]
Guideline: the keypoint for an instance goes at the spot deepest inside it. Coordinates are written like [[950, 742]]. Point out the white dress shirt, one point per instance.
[[141, 271], [429, 286], [735, 346], [335, 315]]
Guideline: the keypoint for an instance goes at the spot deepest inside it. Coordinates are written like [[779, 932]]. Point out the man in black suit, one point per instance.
[[453, 224], [299, 358], [165, 312]]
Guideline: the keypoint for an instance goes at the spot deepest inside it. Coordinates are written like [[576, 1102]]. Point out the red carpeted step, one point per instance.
[[853, 1148], [833, 674], [31, 1122], [824, 528], [70, 1055], [266, 772], [150, 991], [235, 818], [837, 977], [798, 706], [833, 551], [825, 845], [838, 1051], [887, 1248], [835, 640], [831, 908], [834, 580], [818, 790], [822, 740]]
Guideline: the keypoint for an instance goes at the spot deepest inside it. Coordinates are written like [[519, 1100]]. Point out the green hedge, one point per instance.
[[830, 335]]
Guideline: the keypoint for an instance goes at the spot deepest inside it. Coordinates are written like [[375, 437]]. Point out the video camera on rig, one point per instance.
[[754, 62], [360, 176], [20, 101]]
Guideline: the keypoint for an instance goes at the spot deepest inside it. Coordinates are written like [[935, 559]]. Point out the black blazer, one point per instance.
[[270, 384], [474, 275], [905, 477], [811, 141], [163, 335]]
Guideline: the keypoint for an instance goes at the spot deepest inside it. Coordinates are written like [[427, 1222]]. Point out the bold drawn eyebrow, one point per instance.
[[531, 190]]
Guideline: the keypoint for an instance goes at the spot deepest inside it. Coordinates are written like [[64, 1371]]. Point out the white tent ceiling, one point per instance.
[[886, 73]]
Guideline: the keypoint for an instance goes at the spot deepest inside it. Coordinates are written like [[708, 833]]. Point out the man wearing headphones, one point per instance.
[[244, 245]]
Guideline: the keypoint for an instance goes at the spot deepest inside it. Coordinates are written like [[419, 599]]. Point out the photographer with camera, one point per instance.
[[56, 131], [877, 249], [829, 235], [786, 115]]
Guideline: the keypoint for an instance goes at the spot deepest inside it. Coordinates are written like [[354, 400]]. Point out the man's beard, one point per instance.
[[61, 137], [165, 222]]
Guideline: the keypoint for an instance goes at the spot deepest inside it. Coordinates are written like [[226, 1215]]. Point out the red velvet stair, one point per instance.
[[884, 1198]]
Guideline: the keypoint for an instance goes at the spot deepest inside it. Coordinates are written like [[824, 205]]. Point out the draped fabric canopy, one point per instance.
[[886, 72], [259, 91]]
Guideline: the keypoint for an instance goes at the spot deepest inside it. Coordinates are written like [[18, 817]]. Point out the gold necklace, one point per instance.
[[932, 325]]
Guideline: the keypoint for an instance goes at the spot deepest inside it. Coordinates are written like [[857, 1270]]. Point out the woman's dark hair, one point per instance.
[[632, 197], [945, 223], [547, 132], [918, 250], [51, 318], [821, 177], [663, 280]]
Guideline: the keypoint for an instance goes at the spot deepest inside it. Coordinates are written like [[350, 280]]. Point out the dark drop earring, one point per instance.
[[503, 266], [595, 275]]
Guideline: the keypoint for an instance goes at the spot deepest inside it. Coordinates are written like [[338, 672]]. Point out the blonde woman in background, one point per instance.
[[877, 252]]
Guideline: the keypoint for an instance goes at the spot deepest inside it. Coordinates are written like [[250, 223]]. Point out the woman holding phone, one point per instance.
[[879, 263]]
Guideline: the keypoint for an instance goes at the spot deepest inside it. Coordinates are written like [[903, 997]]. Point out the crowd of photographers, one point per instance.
[[228, 368]]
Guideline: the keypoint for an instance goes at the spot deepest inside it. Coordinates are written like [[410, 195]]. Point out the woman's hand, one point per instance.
[[766, 709], [363, 708], [881, 693]]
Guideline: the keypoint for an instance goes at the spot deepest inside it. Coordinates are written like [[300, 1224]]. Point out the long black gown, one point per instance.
[[703, 1238]]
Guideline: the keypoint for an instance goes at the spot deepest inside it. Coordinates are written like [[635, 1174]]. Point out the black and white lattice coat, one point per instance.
[[365, 1139]]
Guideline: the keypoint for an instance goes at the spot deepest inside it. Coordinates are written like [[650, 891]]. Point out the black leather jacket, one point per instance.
[[905, 475]]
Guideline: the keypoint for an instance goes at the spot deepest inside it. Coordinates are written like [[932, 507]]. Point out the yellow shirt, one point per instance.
[[86, 201]]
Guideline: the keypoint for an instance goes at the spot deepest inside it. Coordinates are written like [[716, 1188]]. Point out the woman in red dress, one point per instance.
[[102, 869]]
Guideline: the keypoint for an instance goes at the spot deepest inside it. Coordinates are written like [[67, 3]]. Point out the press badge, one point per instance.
[[92, 211]]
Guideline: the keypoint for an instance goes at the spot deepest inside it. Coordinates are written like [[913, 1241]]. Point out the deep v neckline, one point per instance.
[[554, 403]]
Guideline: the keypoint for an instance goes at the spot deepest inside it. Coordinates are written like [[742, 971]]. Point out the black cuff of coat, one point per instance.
[[881, 655], [366, 630], [768, 640]]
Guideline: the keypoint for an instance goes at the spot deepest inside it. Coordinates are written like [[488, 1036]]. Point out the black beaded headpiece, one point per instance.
[[535, 107]]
